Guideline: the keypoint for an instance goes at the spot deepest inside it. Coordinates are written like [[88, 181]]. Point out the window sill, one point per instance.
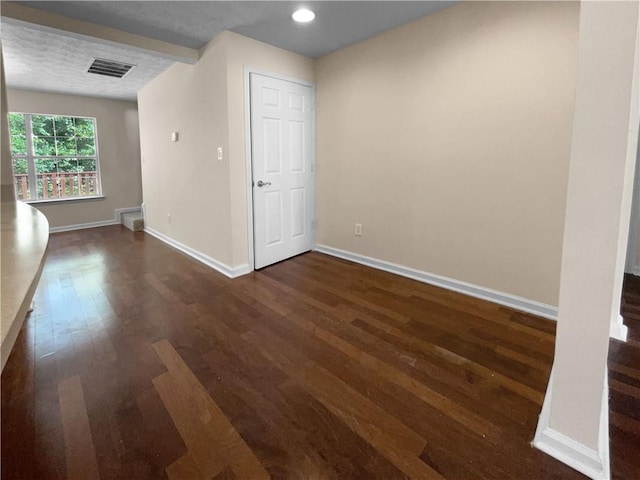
[[64, 200]]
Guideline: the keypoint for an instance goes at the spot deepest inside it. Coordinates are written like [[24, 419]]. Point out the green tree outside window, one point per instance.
[[59, 158]]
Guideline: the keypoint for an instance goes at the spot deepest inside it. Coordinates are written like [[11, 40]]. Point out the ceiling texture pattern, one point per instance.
[[35, 61], [43, 61]]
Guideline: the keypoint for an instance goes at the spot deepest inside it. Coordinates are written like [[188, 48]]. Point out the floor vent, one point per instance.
[[109, 68]]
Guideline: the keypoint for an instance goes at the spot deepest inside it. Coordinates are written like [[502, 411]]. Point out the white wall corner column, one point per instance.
[[573, 425], [617, 329]]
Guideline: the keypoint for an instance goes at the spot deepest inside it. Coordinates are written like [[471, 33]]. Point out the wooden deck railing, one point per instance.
[[58, 185]]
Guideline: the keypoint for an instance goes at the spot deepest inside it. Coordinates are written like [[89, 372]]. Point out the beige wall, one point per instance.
[[449, 140], [205, 104], [7, 191], [184, 179], [119, 153]]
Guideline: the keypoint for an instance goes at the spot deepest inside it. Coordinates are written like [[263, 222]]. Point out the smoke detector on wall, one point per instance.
[[109, 68]]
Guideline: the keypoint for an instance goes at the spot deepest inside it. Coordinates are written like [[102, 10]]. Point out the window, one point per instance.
[[54, 157]]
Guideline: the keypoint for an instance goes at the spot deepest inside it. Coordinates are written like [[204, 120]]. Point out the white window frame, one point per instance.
[[31, 157]]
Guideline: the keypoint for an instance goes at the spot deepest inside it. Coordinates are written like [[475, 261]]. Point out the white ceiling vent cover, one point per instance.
[[109, 68]]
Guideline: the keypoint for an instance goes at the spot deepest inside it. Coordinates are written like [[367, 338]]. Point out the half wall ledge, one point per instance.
[[24, 237]]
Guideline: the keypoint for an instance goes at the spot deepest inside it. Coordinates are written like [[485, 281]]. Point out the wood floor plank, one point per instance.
[[395, 399], [200, 440], [160, 287], [514, 385], [486, 398], [237, 395], [310, 427], [624, 388], [290, 290], [212, 440], [185, 468], [313, 368], [393, 439], [466, 418], [306, 278], [626, 370], [79, 449]]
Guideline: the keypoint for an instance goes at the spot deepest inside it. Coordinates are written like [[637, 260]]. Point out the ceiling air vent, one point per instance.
[[109, 68]]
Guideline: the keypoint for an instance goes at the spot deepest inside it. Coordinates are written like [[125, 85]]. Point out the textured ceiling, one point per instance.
[[337, 24], [37, 59], [192, 24]]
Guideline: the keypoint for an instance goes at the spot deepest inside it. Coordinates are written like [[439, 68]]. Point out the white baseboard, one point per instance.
[[81, 226], [231, 272], [117, 218], [506, 299], [594, 464], [618, 330]]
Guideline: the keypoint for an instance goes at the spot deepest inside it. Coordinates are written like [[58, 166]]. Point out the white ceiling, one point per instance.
[[38, 60], [41, 60]]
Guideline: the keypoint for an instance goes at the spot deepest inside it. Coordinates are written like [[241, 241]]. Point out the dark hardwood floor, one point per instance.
[[140, 363]]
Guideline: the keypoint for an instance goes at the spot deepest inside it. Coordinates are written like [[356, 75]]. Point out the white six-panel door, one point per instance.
[[282, 168]]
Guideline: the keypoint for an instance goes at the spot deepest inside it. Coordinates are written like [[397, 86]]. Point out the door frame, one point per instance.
[[249, 154]]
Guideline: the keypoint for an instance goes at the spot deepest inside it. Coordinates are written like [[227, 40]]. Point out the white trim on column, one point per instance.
[[231, 272], [594, 464], [618, 330], [506, 299]]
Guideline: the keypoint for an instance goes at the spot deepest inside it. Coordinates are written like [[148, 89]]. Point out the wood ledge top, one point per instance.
[[24, 241]]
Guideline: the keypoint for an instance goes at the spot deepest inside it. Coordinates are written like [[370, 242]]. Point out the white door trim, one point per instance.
[[249, 159]]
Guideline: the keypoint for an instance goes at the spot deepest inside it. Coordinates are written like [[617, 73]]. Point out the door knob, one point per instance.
[[262, 184]]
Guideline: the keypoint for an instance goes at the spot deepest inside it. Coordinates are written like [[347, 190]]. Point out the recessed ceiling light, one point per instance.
[[303, 15]]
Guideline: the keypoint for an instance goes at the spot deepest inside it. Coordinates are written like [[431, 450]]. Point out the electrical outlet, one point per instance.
[[220, 156], [168, 218], [358, 229]]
